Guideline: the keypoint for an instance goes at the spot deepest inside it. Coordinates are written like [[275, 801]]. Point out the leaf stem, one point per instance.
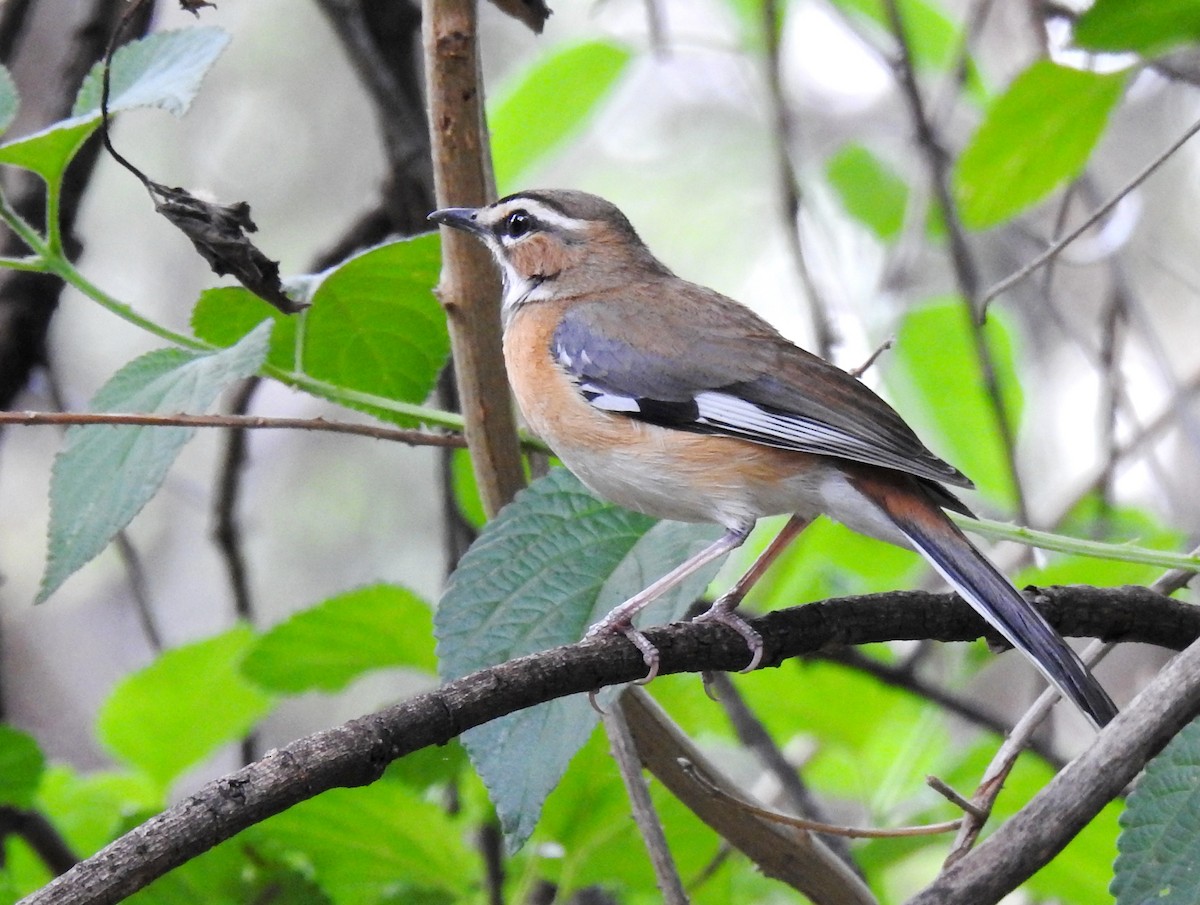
[[1062, 544]]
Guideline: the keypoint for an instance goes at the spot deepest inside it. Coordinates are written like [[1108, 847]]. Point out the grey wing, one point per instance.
[[734, 376]]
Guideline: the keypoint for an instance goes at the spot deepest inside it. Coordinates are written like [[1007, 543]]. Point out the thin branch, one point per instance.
[[754, 736], [965, 270], [817, 826], [248, 422], [624, 752], [40, 835], [1055, 248], [226, 531], [357, 752]]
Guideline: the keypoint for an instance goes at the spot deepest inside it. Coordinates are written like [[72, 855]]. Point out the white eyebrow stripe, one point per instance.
[[542, 213]]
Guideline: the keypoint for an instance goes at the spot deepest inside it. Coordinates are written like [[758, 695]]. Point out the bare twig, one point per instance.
[[248, 422], [816, 826], [753, 734], [40, 835], [624, 752], [1055, 248], [965, 270]]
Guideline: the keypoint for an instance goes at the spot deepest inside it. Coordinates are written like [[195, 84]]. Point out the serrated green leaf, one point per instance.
[[375, 326], [21, 766], [10, 99], [1160, 828], [331, 644], [223, 315], [183, 706], [937, 380], [553, 562], [1034, 138], [549, 103], [872, 193], [105, 474], [362, 843], [161, 70], [1148, 27]]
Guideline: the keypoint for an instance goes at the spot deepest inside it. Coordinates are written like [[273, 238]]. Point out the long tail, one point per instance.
[[968, 571]]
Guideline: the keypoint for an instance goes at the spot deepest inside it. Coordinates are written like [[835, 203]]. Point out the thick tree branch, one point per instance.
[[356, 753]]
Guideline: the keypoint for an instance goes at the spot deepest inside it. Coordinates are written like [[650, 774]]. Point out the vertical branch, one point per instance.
[[965, 271], [469, 289]]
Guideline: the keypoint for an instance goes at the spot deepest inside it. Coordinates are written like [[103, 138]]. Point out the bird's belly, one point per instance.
[[697, 478]]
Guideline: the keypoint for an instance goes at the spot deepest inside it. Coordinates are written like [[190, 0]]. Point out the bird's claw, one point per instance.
[[649, 652], [723, 615]]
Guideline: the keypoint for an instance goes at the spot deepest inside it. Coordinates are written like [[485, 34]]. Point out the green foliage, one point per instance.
[[183, 706], [1148, 27], [374, 326], [934, 39], [326, 647], [938, 381], [21, 766], [105, 474], [161, 70], [872, 193], [1161, 826], [549, 103], [361, 843], [552, 563], [1035, 137]]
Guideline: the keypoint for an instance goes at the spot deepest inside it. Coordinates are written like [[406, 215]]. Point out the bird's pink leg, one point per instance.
[[620, 619], [722, 610]]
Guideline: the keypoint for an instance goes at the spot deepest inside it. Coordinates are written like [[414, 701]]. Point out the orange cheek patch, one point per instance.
[[538, 255]]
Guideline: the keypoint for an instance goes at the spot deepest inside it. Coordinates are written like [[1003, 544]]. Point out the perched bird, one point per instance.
[[673, 400]]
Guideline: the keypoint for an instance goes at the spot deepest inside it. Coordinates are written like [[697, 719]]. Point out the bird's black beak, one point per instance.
[[464, 218]]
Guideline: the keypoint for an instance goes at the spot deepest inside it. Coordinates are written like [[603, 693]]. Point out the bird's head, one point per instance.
[[555, 243]]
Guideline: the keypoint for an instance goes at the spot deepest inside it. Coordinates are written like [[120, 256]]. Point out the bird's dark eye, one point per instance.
[[517, 224]]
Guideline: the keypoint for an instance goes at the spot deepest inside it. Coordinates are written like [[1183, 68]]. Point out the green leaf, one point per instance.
[[1036, 136], [550, 102], [91, 810], [105, 474], [1160, 828], [10, 99], [1148, 27], [934, 39], [21, 767], [161, 70], [553, 562], [937, 379], [326, 647], [363, 843], [872, 193], [466, 490], [183, 706], [375, 326], [224, 315]]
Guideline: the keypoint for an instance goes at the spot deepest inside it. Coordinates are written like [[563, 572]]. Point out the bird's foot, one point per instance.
[[724, 613], [636, 638]]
